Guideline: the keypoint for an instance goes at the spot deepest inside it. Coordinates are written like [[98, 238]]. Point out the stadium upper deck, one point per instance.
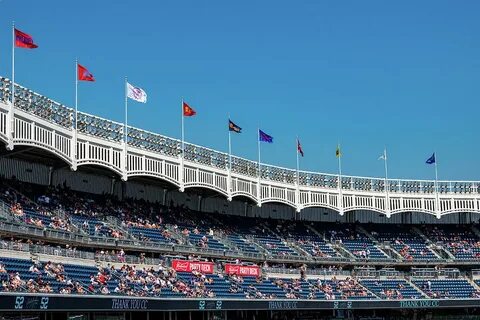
[[40, 122], [61, 215]]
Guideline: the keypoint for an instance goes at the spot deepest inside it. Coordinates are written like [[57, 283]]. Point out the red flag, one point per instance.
[[24, 40], [84, 74], [188, 111], [299, 147]]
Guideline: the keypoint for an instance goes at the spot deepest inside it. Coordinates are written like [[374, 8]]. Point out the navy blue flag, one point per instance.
[[431, 160], [233, 127], [262, 136]]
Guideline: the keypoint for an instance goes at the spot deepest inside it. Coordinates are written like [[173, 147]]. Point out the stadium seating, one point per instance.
[[391, 289], [447, 288]]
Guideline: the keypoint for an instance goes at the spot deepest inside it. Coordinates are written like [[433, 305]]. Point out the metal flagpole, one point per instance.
[[13, 63], [76, 93], [297, 191], [10, 120], [339, 163], [75, 132], [125, 129], [298, 162], [181, 179], [229, 145], [229, 160], [340, 178], [183, 130], [259, 160], [126, 112], [259, 168], [437, 202], [387, 186]]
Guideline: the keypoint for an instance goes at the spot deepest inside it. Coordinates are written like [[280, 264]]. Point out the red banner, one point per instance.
[[189, 266], [244, 271]]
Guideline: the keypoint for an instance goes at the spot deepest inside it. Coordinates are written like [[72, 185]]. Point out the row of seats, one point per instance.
[[272, 287]]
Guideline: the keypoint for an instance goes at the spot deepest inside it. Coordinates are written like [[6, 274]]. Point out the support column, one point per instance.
[[298, 205], [73, 150], [181, 172], [10, 126], [124, 161], [229, 184], [259, 192]]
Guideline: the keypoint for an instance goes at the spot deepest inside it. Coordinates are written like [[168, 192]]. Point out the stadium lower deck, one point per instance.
[[67, 253]]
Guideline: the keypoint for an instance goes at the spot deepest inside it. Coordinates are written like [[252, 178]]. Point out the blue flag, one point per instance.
[[431, 160], [262, 136]]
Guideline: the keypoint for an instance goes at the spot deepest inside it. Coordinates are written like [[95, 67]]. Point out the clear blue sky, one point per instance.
[[368, 74]]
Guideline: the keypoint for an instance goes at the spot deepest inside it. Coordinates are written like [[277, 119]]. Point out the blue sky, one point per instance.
[[367, 74]]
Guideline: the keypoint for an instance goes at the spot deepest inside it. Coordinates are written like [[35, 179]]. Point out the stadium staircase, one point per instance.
[[424, 295], [297, 248], [375, 242], [62, 215], [284, 241], [176, 235], [6, 214], [444, 253], [234, 246], [473, 283], [115, 223], [386, 247], [429, 243], [337, 246]]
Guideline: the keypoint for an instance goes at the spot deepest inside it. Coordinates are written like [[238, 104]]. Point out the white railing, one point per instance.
[[39, 121]]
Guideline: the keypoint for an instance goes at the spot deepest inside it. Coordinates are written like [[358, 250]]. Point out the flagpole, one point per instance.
[[10, 134], [76, 93], [387, 186], [297, 191], [298, 161], [182, 158], [339, 163], [13, 63], [126, 113], [183, 129], [75, 131], [229, 145], [259, 168], [229, 171], [340, 178], [259, 160], [437, 204], [125, 130]]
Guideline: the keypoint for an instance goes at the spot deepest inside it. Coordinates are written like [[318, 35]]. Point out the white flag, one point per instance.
[[383, 156], [136, 93]]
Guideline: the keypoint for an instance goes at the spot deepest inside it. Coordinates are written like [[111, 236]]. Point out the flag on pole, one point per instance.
[[431, 160], [263, 137], [383, 156], [338, 153], [84, 74], [299, 148], [233, 127], [188, 111], [136, 93], [23, 40]]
